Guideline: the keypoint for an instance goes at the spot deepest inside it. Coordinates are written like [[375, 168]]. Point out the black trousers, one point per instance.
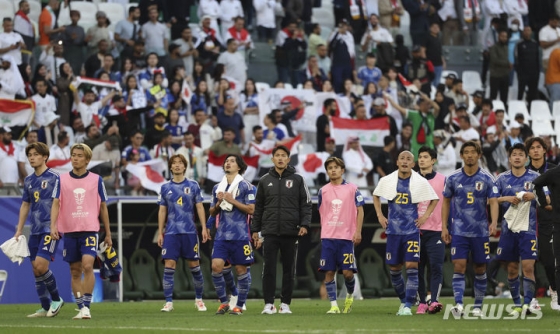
[[530, 82], [499, 85], [549, 253], [288, 253]]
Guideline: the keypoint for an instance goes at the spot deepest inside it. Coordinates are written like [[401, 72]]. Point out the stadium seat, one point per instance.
[[261, 86], [115, 11], [556, 109], [540, 109], [471, 81], [516, 107], [34, 10], [288, 85], [498, 104], [143, 271], [405, 28], [324, 17], [64, 16], [183, 289], [372, 269], [542, 127], [6, 9], [326, 32], [128, 285], [87, 13]]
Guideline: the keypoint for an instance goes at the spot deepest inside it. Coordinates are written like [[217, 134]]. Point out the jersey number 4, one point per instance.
[[180, 201]]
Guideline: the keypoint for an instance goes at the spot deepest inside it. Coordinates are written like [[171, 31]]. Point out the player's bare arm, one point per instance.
[[245, 208], [104, 215], [162, 217], [359, 223], [202, 218], [54, 217], [445, 236], [494, 212], [23, 213], [380, 216]]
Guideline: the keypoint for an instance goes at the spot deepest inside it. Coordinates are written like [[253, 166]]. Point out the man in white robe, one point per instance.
[[358, 164]]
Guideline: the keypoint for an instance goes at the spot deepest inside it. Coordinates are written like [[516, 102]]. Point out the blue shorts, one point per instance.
[[337, 254], [180, 245], [237, 252], [76, 245], [42, 245], [479, 247], [512, 246], [402, 248]]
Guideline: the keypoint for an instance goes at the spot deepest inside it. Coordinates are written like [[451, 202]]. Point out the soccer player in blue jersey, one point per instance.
[[178, 237], [234, 200], [404, 189], [467, 192], [519, 226], [37, 198]]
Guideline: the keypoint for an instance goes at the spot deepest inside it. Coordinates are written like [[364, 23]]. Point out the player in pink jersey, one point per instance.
[[79, 202], [340, 205]]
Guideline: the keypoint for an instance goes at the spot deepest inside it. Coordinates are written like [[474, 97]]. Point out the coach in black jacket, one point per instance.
[[282, 214]]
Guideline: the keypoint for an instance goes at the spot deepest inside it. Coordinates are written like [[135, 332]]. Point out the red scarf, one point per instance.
[[24, 16], [209, 31], [287, 32], [238, 35], [11, 149]]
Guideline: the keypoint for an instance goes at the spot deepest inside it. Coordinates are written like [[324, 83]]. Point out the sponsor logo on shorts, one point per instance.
[[163, 251]]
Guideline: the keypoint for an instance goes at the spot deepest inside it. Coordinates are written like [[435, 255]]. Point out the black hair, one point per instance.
[[281, 147], [132, 9], [229, 129], [257, 128], [242, 165], [430, 151], [328, 102], [529, 142], [518, 146], [487, 102], [471, 143], [388, 140]]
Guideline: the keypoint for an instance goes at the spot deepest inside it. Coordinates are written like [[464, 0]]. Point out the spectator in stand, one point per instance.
[[89, 108], [540, 13], [464, 135], [490, 38], [41, 72], [200, 99], [380, 110], [153, 67], [343, 52], [48, 26], [159, 98], [146, 5], [229, 119], [402, 55], [249, 106], [390, 12], [241, 36], [514, 36], [323, 58], [163, 150], [195, 158], [421, 69], [109, 150], [477, 98], [53, 60], [449, 80], [323, 121], [433, 52], [375, 35], [469, 16], [515, 10], [404, 139], [513, 136], [385, 162], [526, 132], [315, 40], [419, 11], [457, 93], [492, 9], [494, 151], [211, 9], [177, 14], [229, 11], [127, 32], [234, 62], [360, 111], [500, 67], [23, 25], [527, 66], [358, 163], [138, 57], [314, 73], [205, 132], [174, 128], [349, 95], [369, 73], [290, 53], [173, 60], [60, 150], [108, 67], [552, 78], [24, 166], [444, 103], [227, 145], [78, 130], [95, 61], [356, 15], [137, 138], [487, 117], [9, 152], [94, 137], [446, 154], [73, 39], [266, 22], [65, 96], [272, 132], [188, 45], [209, 44], [549, 39], [11, 43], [44, 104], [132, 180], [155, 35], [99, 32], [448, 14], [258, 146]]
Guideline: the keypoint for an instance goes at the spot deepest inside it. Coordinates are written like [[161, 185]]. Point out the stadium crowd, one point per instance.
[[152, 84]]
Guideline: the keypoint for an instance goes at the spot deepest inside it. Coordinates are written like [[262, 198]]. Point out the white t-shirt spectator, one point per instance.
[[265, 12], [549, 34], [380, 35], [43, 105], [184, 46], [59, 153], [154, 36], [234, 65], [11, 38], [87, 112]]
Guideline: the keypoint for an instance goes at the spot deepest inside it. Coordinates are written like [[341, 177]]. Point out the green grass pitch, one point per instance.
[[368, 316]]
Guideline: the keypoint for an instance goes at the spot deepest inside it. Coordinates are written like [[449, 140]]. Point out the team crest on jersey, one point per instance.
[[187, 190], [289, 183], [453, 250], [478, 185], [44, 184], [388, 256], [527, 186]]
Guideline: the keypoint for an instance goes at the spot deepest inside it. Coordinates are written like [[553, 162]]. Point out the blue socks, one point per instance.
[[244, 282], [350, 285], [80, 302], [514, 290], [198, 281], [528, 290], [458, 287], [168, 283], [50, 283], [411, 286], [220, 286], [42, 292], [479, 289], [230, 282], [398, 284], [331, 290], [87, 299]]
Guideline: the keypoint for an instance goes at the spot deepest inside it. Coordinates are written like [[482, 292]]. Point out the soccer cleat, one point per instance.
[[40, 313], [269, 309], [348, 304], [457, 310], [83, 314], [223, 309], [167, 307], [199, 304], [285, 309], [534, 305], [401, 306], [55, 308], [435, 307], [236, 311], [333, 310], [554, 301], [422, 308], [244, 307], [405, 311], [516, 311], [477, 312], [232, 301]]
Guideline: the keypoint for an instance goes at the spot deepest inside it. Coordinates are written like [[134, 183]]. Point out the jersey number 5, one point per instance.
[[470, 198]]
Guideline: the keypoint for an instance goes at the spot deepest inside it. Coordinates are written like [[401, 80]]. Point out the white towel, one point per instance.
[[16, 250], [420, 188], [226, 206], [517, 216]]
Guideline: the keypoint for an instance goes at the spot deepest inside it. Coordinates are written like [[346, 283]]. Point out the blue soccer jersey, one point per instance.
[[402, 212], [38, 191], [469, 196], [510, 185], [234, 224], [368, 75], [180, 200]]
